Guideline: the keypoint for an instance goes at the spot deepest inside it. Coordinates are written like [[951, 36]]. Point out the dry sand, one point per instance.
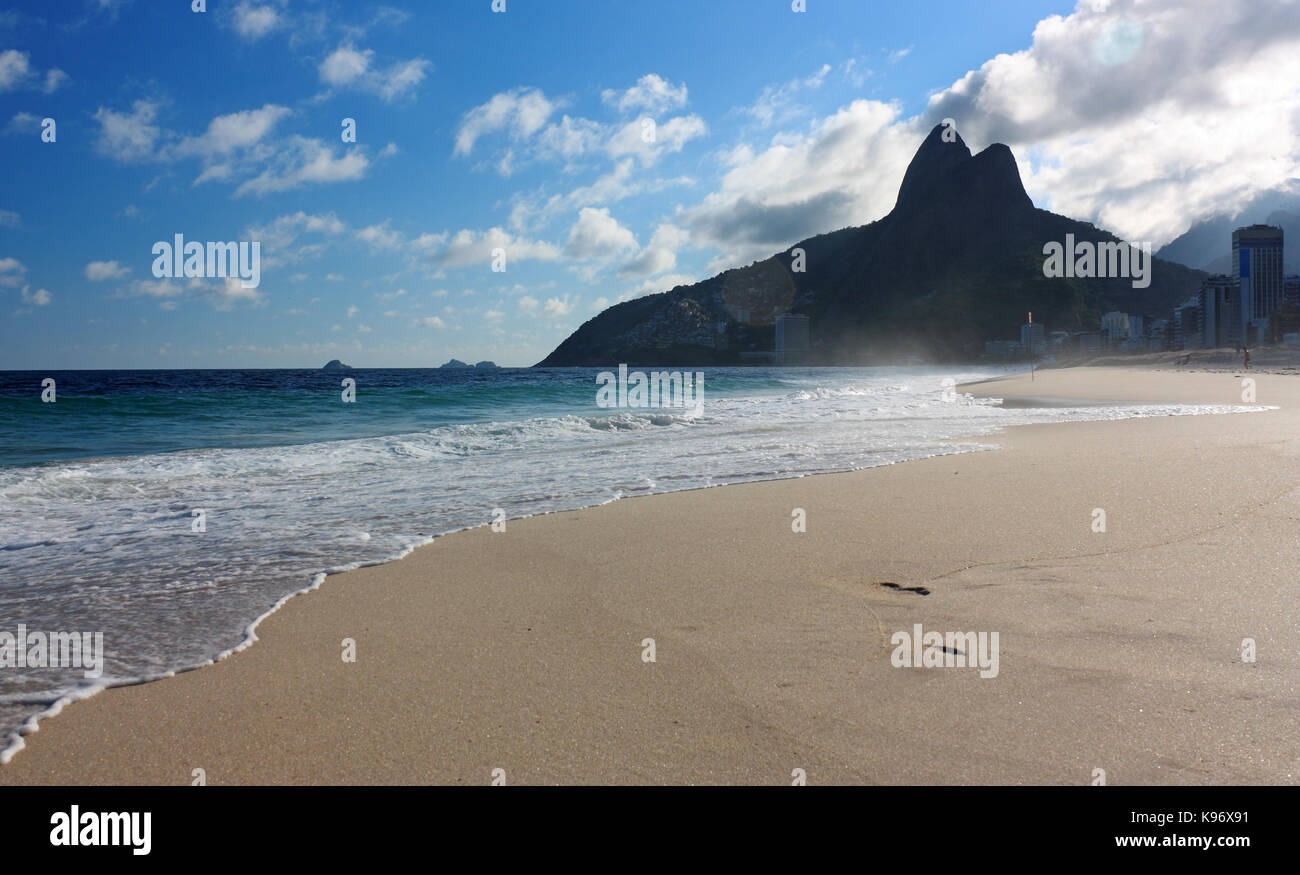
[[522, 650]]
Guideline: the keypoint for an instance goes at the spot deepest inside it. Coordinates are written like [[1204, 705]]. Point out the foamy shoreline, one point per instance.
[[539, 554]]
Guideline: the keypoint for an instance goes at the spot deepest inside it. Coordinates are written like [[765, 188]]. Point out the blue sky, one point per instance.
[[523, 131]]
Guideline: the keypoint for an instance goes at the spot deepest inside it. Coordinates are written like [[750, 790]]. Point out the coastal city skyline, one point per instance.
[[381, 189]]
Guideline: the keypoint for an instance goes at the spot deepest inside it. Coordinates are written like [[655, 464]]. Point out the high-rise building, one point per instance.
[[1187, 327], [791, 338], [1220, 303], [1033, 337], [1114, 327], [1291, 290], [1257, 266]]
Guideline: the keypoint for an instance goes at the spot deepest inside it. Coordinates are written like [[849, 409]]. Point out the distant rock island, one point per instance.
[[336, 365], [457, 363], [959, 260]]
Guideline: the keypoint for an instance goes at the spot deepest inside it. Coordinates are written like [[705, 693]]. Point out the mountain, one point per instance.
[[958, 261], [336, 365], [1207, 245], [455, 364]]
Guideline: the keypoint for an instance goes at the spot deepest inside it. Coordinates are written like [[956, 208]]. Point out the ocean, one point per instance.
[[101, 491]]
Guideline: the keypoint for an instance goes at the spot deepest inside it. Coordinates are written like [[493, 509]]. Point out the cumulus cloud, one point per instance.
[[237, 130], [22, 123], [223, 294], [11, 271], [844, 170], [161, 288], [345, 65], [128, 137], [14, 69], [467, 247], [302, 161], [349, 67], [16, 72], [380, 237], [521, 112], [255, 20], [659, 255], [598, 235], [282, 231], [38, 298], [651, 93], [648, 143], [531, 211], [99, 271], [559, 306], [1143, 116]]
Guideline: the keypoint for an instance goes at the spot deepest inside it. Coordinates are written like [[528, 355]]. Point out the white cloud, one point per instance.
[[528, 304], [648, 144], [54, 79], [659, 255], [17, 72], [161, 288], [22, 123], [128, 136], [431, 322], [14, 69], [98, 271], [559, 306], [302, 161], [598, 235], [38, 298], [345, 65], [283, 231], [10, 219], [224, 294], [348, 66], [254, 21], [380, 237], [237, 130], [11, 271], [531, 212], [651, 93], [522, 112], [844, 170], [466, 248], [1204, 130]]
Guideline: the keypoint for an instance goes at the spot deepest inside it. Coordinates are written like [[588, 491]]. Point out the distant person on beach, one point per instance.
[[1245, 357]]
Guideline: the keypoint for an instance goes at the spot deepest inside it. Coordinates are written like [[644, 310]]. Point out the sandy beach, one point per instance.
[[522, 650]]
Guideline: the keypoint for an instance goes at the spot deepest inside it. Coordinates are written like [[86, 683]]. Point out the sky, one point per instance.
[[592, 152]]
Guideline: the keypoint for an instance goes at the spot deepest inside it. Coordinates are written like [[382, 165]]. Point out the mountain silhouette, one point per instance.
[[958, 261], [1207, 245]]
